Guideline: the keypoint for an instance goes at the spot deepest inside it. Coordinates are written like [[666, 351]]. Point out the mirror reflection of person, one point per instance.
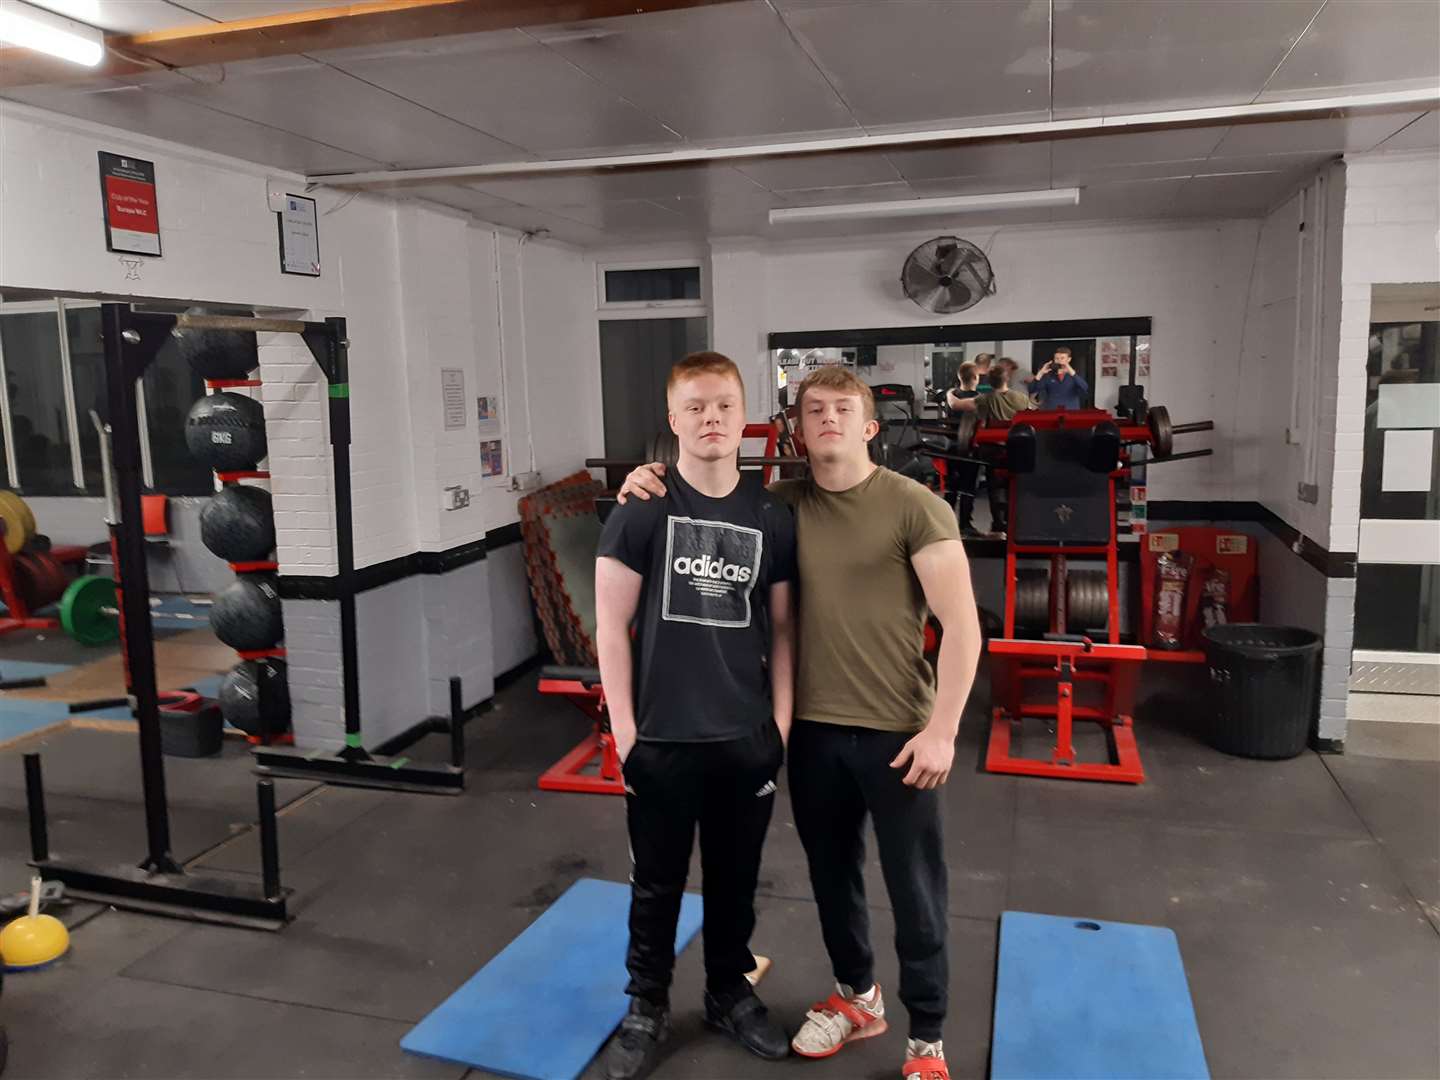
[[967, 385], [1057, 385]]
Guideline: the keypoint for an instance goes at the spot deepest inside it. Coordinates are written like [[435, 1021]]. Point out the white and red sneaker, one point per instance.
[[925, 1061], [843, 1017]]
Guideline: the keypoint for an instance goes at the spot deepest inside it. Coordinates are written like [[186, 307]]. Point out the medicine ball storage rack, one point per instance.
[[238, 525], [157, 884], [352, 765]]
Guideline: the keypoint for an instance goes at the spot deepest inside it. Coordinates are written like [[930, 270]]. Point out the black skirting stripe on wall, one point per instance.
[[305, 587], [506, 534], [1336, 564], [955, 333], [442, 562]]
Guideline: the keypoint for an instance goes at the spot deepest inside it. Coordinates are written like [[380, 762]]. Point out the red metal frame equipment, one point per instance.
[[1065, 660]]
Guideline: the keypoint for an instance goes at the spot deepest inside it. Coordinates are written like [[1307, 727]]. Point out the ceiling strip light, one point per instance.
[[952, 204], [35, 28]]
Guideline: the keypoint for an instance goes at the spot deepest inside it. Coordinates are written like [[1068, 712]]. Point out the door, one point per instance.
[[1397, 588], [635, 360]]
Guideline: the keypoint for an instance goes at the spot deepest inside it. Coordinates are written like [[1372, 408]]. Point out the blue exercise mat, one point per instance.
[[545, 1005], [209, 688], [21, 716], [29, 669], [1080, 998]]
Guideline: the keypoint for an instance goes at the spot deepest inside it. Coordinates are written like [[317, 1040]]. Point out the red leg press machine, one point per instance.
[[1061, 469]]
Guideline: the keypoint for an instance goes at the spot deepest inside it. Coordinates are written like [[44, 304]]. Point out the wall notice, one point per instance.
[[492, 458], [299, 237], [452, 396], [132, 217]]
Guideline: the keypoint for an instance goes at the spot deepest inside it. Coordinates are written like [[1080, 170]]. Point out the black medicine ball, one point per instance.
[[217, 354], [246, 614], [226, 431], [238, 524], [248, 684]]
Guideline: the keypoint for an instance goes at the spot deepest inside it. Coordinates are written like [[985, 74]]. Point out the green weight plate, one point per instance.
[[82, 611]]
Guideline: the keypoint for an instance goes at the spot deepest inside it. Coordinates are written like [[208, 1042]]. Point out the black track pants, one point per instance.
[[728, 790], [838, 775]]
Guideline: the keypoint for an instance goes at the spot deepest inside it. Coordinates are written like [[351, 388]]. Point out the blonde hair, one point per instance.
[[703, 363], [840, 379]]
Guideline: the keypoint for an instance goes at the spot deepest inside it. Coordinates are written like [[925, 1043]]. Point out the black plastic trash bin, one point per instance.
[[1263, 680]]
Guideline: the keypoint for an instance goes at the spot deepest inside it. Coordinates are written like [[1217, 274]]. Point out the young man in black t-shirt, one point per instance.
[[700, 703]]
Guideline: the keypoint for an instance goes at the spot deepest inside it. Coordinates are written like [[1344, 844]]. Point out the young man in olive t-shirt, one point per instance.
[[874, 733]]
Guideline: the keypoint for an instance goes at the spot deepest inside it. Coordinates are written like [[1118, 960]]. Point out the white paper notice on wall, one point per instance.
[[299, 237], [1409, 459], [452, 394], [1409, 405]]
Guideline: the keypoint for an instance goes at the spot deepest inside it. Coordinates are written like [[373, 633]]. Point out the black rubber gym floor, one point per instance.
[[1304, 894]]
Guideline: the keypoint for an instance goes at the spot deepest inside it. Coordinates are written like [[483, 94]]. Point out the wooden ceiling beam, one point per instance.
[[373, 22]]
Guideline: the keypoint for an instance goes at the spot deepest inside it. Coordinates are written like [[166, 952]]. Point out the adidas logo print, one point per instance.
[[767, 789], [706, 566]]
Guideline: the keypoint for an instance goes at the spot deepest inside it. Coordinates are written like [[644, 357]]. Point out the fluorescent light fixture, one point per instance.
[[35, 28], [951, 204]]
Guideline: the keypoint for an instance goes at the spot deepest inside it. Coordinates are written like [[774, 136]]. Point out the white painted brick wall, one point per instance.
[[1190, 278], [1391, 235]]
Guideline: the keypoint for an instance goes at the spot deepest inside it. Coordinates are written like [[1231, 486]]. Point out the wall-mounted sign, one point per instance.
[[452, 397], [132, 218], [299, 237]]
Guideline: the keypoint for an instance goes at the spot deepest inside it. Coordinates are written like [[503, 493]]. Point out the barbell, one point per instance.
[[664, 448], [1162, 431], [89, 611]]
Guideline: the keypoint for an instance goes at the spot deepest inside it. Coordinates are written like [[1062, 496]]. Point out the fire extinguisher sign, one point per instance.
[[132, 218]]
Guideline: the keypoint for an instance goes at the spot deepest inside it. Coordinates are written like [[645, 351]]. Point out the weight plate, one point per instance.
[[1162, 431], [19, 521], [83, 614], [23, 574]]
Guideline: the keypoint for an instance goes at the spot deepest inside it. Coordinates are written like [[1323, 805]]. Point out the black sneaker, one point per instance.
[[747, 1019], [636, 1046]]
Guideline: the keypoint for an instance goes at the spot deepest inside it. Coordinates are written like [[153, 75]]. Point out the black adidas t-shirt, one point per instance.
[[702, 629]]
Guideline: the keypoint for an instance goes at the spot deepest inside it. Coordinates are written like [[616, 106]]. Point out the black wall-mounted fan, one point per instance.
[[946, 275]]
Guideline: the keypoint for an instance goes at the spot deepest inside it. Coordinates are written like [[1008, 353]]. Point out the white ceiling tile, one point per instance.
[[1263, 163], [1116, 174], [826, 196], [1364, 45], [1137, 148], [1117, 56], [820, 170], [1422, 134], [508, 85], [921, 61], [1235, 195], [457, 195], [325, 104], [235, 10], [710, 73], [1014, 161], [1352, 134], [975, 185], [132, 108], [527, 219], [734, 216], [1132, 199], [580, 189], [125, 16]]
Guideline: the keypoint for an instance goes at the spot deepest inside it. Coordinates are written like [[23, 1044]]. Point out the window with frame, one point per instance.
[[52, 386], [650, 286]]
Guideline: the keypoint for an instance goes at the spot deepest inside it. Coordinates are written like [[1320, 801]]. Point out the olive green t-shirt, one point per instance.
[[862, 612]]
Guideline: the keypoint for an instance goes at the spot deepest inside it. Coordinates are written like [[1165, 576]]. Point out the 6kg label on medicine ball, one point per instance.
[[710, 571]]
